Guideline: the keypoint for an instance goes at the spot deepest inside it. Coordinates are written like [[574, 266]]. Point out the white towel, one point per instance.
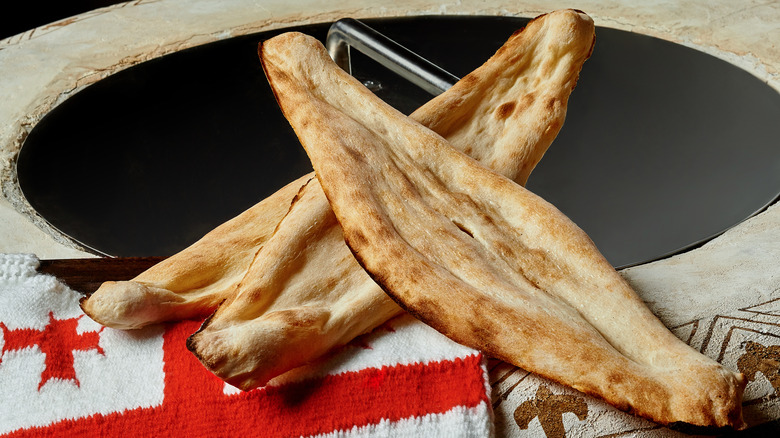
[[63, 374]]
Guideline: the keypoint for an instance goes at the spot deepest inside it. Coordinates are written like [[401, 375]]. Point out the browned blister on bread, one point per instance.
[[506, 113], [305, 272], [483, 260]]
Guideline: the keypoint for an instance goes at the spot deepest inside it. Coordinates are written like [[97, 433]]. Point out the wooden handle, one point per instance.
[[86, 275]]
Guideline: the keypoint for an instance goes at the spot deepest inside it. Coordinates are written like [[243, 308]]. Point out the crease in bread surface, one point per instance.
[[483, 260], [305, 294]]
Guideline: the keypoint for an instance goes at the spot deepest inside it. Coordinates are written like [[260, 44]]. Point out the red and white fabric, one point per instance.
[[62, 374]]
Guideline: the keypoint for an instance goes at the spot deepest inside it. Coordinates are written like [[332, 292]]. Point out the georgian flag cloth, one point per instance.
[[61, 374]]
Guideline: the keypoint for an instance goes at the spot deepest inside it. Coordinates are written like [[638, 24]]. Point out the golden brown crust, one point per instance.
[[193, 282], [303, 295], [518, 98], [304, 270], [483, 260]]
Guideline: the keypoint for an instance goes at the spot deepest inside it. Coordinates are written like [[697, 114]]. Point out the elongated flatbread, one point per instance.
[[305, 294], [506, 114], [481, 259]]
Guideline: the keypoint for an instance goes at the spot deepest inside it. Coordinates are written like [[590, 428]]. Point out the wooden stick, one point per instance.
[[86, 275]]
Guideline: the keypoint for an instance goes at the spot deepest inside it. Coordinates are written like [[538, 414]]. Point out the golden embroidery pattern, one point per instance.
[[761, 359], [549, 408]]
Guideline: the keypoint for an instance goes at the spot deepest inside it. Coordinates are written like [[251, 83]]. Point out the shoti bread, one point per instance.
[[305, 294], [483, 260], [191, 283]]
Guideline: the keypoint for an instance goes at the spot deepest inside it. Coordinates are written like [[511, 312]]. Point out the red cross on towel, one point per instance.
[[58, 340], [195, 403]]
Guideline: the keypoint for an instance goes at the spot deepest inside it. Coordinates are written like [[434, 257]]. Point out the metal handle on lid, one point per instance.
[[349, 32]]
